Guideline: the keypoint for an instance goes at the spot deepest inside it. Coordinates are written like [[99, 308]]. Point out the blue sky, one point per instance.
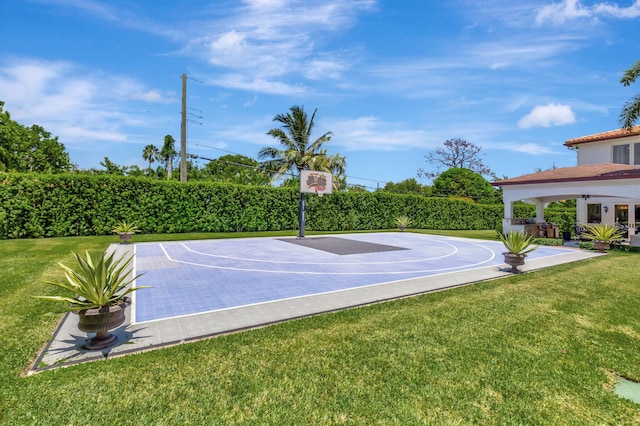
[[392, 79]]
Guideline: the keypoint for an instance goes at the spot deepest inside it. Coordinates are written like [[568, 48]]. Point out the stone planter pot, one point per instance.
[[100, 321], [125, 237], [514, 260], [601, 246]]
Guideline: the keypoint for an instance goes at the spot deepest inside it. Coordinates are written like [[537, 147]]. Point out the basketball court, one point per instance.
[[209, 287]]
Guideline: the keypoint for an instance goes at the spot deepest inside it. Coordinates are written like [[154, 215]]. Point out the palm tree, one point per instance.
[[297, 152], [631, 111], [331, 163], [150, 153], [167, 153]]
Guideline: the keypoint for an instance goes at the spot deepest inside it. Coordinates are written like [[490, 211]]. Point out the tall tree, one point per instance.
[[461, 182], [167, 153], [112, 168], [631, 110], [297, 151], [456, 153], [135, 171], [150, 153], [335, 164], [236, 169], [29, 149], [407, 186]]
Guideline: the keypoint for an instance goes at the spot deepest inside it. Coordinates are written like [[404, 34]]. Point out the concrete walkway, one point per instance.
[[66, 346]]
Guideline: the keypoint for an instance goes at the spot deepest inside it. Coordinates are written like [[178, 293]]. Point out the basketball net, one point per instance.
[[320, 190]]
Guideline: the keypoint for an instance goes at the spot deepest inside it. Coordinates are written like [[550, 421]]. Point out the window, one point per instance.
[[622, 214], [594, 213], [636, 153], [621, 154]]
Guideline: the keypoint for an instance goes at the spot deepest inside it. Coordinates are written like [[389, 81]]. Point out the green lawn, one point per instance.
[[540, 348]]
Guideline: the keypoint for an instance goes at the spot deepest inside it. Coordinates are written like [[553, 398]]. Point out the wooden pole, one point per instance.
[[183, 132]]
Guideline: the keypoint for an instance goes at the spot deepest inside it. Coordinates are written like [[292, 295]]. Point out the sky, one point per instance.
[[391, 79]]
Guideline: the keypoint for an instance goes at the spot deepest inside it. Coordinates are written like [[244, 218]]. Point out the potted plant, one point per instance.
[[403, 221], [125, 230], [565, 223], [518, 244], [100, 290], [602, 235]]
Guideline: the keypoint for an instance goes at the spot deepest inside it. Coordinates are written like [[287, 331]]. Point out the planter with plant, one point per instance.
[[125, 230], [602, 235], [100, 290], [518, 244], [403, 221], [566, 223]]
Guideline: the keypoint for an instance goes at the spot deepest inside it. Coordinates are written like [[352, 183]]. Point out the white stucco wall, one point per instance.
[[602, 152], [606, 192]]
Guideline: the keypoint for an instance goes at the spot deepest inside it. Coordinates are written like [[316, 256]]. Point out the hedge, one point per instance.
[[35, 205]]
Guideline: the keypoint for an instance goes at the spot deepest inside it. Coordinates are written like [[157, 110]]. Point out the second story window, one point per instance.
[[621, 154]]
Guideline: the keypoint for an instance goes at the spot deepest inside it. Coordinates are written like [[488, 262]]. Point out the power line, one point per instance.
[[350, 177], [233, 163]]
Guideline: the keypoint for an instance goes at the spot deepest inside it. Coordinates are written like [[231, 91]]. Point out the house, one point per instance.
[[605, 183]]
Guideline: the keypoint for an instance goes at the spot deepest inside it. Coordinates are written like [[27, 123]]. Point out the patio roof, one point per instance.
[[588, 172]]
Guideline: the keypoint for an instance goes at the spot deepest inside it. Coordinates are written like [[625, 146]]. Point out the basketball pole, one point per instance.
[[301, 219]]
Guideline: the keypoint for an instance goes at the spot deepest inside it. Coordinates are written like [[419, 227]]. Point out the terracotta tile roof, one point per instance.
[[602, 171], [611, 134]]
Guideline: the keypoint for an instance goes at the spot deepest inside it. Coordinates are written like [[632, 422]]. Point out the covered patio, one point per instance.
[[605, 193]]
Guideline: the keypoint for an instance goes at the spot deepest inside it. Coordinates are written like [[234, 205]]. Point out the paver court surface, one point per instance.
[[207, 287]]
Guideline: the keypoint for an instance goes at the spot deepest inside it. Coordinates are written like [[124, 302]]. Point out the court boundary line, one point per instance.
[[493, 256], [322, 263], [322, 293]]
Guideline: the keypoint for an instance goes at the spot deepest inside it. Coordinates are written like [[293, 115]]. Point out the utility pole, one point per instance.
[[183, 132]]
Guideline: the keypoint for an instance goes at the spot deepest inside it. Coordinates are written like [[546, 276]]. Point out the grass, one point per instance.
[[539, 348]]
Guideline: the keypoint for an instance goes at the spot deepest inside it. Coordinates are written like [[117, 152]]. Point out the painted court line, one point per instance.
[[206, 276], [455, 250], [239, 295]]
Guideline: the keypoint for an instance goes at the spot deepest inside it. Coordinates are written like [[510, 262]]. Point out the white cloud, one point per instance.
[[256, 85], [117, 15], [72, 103], [149, 96], [547, 116], [269, 40], [321, 69], [532, 148], [372, 134], [567, 10]]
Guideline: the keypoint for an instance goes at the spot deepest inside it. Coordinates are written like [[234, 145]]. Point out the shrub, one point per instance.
[[548, 241], [37, 205], [586, 245]]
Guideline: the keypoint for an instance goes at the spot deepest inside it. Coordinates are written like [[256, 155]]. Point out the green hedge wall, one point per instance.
[[34, 205]]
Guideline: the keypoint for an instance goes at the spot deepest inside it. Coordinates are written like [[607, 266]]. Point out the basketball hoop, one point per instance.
[[314, 181]]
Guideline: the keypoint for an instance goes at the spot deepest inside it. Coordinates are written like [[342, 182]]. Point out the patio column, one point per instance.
[[539, 210], [508, 213]]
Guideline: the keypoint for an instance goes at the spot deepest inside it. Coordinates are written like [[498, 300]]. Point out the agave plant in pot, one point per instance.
[[100, 291], [125, 230], [518, 244], [602, 235], [403, 221]]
